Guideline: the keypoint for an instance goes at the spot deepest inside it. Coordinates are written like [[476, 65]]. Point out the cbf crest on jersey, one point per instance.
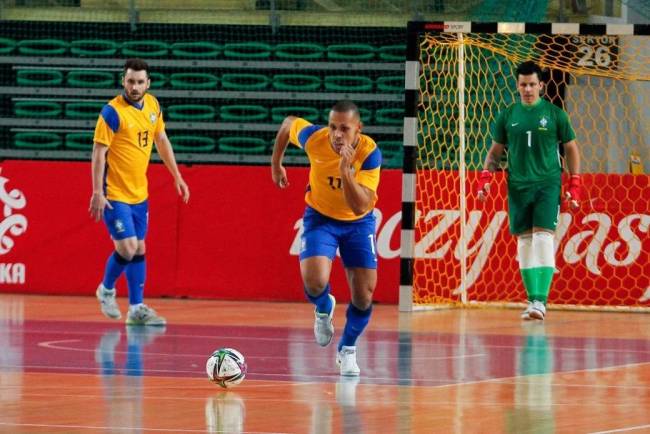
[[542, 123], [152, 118]]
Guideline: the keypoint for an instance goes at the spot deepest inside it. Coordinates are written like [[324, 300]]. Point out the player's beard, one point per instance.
[[135, 96]]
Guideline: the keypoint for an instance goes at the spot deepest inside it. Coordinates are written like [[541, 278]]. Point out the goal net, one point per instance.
[[456, 250]]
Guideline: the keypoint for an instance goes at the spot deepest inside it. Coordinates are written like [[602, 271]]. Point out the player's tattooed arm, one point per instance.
[[492, 163], [493, 157]]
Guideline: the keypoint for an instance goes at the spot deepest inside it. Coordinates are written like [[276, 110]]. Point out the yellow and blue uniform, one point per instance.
[[324, 193], [128, 130], [329, 222]]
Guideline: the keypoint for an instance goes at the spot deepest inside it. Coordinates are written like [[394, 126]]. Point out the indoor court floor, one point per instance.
[[64, 368]]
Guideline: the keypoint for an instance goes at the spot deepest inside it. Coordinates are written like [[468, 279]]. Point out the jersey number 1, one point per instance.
[[529, 133]]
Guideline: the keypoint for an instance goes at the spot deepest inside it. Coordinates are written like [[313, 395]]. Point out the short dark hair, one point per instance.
[[345, 106], [136, 65], [529, 67]]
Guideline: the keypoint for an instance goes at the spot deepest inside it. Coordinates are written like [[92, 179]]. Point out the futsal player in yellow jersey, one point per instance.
[[342, 192], [127, 128]]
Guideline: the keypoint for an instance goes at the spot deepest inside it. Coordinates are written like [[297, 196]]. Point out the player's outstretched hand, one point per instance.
[[183, 190], [483, 188], [97, 204], [279, 175], [574, 191]]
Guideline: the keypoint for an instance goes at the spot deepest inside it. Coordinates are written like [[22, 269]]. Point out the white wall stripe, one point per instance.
[[620, 29], [405, 298], [410, 131], [412, 75], [408, 187], [407, 240], [565, 28], [511, 27]]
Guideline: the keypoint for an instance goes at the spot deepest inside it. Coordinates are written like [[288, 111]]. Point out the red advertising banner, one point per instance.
[[238, 238]]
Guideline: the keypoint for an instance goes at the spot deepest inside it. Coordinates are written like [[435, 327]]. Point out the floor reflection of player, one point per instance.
[[123, 393], [323, 411], [346, 397], [225, 413], [533, 399]]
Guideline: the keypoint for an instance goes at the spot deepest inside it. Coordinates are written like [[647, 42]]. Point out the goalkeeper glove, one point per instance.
[[575, 187], [484, 183]]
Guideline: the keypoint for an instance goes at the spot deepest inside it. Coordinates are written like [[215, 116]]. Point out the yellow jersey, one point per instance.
[[325, 192], [128, 129]]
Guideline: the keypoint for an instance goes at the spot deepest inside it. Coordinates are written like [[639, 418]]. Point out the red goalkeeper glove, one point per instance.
[[574, 190], [483, 187]]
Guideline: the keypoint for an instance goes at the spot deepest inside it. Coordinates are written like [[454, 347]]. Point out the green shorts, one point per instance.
[[535, 204]]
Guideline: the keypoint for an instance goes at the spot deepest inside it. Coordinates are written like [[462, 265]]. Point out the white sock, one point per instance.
[[525, 251], [543, 249], [134, 307]]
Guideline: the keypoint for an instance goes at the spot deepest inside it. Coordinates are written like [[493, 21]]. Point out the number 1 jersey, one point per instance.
[[532, 134]]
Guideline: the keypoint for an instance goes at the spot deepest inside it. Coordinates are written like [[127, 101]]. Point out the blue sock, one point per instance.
[[114, 267], [357, 320], [323, 302], [135, 275]]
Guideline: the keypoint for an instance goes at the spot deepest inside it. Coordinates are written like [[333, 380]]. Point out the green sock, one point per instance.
[[544, 279], [530, 277]]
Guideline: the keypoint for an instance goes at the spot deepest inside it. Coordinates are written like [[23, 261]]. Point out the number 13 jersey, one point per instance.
[[128, 129]]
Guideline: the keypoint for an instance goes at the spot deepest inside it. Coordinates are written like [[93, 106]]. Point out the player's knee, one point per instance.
[[362, 297], [315, 287], [127, 251]]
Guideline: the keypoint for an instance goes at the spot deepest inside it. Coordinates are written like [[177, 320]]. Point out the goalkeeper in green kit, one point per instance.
[[533, 129]]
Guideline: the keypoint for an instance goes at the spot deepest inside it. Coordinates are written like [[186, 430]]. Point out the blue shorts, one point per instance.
[[355, 239], [125, 220]]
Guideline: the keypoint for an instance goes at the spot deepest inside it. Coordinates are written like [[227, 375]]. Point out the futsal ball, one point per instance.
[[226, 367]]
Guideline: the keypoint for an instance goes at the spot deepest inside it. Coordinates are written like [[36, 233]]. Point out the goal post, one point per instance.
[[457, 251]]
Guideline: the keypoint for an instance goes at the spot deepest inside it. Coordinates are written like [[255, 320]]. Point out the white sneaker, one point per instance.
[[323, 327], [144, 315], [538, 311], [525, 315], [107, 302], [347, 361]]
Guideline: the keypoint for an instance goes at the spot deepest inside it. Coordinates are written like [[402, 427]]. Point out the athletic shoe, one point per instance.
[[323, 327], [107, 302], [538, 310], [525, 315], [347, 361], [144, 315]]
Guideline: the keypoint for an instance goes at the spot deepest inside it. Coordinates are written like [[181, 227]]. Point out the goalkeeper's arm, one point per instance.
[[489, 167], [574, 188]]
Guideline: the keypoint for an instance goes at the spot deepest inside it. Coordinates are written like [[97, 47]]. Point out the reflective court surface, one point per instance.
[[64, 368]]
